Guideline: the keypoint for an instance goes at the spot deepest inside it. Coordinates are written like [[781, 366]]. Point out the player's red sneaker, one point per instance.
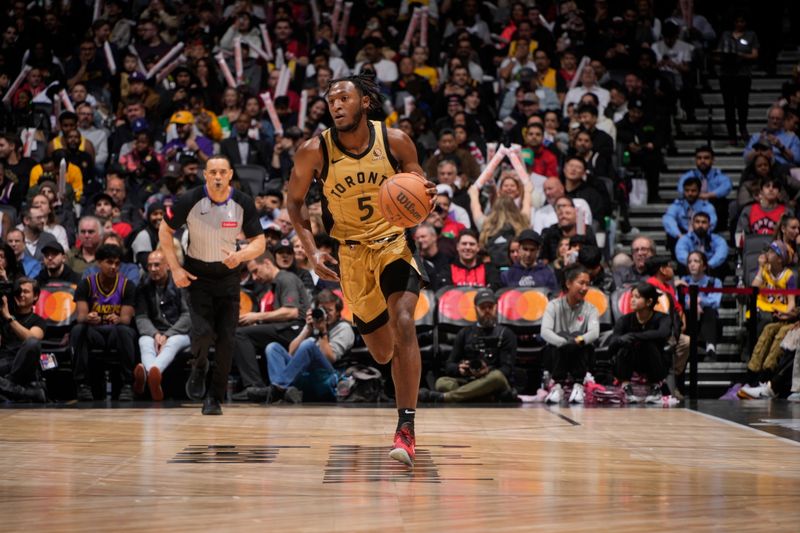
[[403, 447]]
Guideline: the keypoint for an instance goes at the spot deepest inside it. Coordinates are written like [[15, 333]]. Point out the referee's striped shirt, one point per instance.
[[213, 226]]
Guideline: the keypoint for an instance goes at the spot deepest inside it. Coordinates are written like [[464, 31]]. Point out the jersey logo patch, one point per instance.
[[229, 223], [377, 154]]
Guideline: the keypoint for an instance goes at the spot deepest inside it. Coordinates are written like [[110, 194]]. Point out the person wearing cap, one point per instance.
[[637, 137], [129, 110], [480, 365], [700, 238], [138, 88], [56, 268], [145, 240], [187, 142], [529, 271], [284, 260]]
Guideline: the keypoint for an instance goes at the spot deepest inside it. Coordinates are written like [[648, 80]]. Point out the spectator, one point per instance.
[[715, 186], [105, 307], [466, 270], [107, 211], [241, 149], [143, 161], [20, 334], [481, 362], [597, 164], [529, 271], [570, 326], [68, 122], [33, 222], [98, 137], [162, 319], [42, 202], [738, 51], [785, 145], [385, 69], [435, 261], [636, 136], [674, 58], [505, 220], [707, 303], [129, 206], [576, 186], [306, 370], [591, 258], [701, 239], [15, 239], [55, 267], [788, 232], [82, 256], [544, 161], [773, 273], [283, 251], [276, 322], [763, 216], [187, 142], [48, 170], [448, 149], [638, 345], [602, 122], [545, 216], [602, 142], [588, 85], [145, 240], [447, 178], [567, 226], [679, 214], [129, 270]]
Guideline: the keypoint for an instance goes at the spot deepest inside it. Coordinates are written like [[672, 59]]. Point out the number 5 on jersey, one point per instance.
[[365, 206]]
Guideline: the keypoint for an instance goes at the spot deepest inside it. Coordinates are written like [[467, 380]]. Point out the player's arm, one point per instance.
[[307, 162], [405, 153]]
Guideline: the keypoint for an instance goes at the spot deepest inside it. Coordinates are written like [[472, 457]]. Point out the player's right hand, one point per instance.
[[182, 278], [318, 261]]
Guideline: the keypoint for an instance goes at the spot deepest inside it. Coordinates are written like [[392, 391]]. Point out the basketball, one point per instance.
[[404, 200]]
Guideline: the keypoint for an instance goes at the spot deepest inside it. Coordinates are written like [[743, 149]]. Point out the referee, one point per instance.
[[215, 215]]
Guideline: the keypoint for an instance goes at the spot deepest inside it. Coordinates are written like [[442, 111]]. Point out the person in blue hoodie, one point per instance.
[[701, 239], [707, 303], [678, 218], [714, 185], [529, 271]]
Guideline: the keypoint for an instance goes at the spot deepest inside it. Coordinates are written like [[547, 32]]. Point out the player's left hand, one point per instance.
[[430, 188], [231, 259]]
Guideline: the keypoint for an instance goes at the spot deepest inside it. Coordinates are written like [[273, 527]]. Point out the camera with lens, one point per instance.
[[475, 364], [318, 313], [7, 290]]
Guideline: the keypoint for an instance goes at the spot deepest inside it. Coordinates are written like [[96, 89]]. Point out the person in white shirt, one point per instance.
[[545, 216], [385, 70], [588, 85], [674, 59]]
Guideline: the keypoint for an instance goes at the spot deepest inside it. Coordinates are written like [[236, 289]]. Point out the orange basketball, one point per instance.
[[404, 200]]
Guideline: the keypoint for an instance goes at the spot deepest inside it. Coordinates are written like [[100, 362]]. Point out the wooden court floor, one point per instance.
[[326, 469]]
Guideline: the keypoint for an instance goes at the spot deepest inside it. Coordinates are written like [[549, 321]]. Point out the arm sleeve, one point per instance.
[[184, 322], [714, 299], [592, 324], [723, 186], [712, 214], [794, 147], [548, 322], [670, 221], [662, 332], [682, 249], [720, 254], [250, 224], [684, 177], [142, 317]]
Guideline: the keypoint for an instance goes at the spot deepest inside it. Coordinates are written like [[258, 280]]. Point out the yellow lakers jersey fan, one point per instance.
[[350, 184]]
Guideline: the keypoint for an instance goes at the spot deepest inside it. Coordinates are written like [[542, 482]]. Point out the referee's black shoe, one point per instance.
[[196, 384], [211, 406]]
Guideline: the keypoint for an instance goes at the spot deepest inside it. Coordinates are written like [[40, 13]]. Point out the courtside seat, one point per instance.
[[56, 305], [521, 309]]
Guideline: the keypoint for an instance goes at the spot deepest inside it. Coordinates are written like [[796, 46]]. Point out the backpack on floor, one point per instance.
[[361, 383]]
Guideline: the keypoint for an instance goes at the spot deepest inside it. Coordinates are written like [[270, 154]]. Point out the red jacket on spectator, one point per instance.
[[544, 163]]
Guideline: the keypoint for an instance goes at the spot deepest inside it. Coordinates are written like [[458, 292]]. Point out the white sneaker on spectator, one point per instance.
[[629, 395], [762, 391], [669, 401], [794, 397], [556, 394], [541, 396], [655, 395], [577, 395]]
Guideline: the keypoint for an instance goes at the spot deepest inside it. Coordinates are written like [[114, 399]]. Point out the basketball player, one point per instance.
[[214, 214], [379, 276]]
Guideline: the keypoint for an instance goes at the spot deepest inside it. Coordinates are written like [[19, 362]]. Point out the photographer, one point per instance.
[[480, 365], [20, 333], [306, 369]]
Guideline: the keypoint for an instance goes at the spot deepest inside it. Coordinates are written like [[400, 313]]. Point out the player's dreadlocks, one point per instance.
[[366, 86]]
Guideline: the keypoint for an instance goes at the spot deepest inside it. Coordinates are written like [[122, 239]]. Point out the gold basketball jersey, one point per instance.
[[351, 184]]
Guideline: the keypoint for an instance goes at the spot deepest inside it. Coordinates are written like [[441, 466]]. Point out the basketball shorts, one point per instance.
[[369, 273]]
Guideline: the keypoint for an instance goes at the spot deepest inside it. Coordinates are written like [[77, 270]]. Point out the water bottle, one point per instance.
[[626, 158]]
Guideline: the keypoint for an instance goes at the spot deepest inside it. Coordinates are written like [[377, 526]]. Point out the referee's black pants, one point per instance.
[[214, 310]]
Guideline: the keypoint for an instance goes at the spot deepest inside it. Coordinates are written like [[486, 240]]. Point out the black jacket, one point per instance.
[[259, 153], [162, 311], [497, 346]]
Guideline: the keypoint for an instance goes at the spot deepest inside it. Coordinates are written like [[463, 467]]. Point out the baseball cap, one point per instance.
[[139, 125], [103, 196], [444, 188], [284, 244], [636, 103], [182, 117], [154, 207], [137, 76], [526, 74], [485, 295], [173, 170], [53, 246], [530, 98], [272, 228], [530, 235], [780, 248]]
